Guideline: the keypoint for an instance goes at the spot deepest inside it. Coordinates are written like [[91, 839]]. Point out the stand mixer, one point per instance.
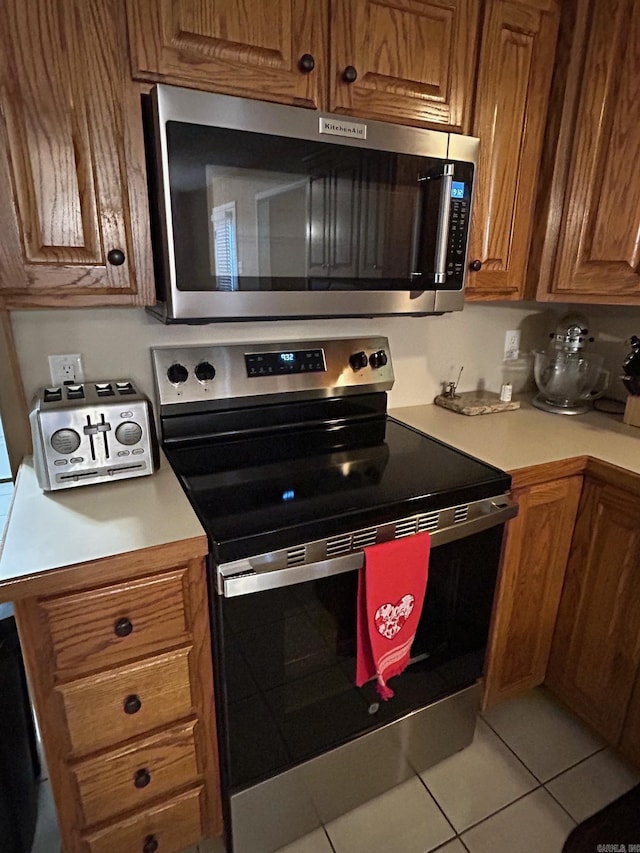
[[568, 379]]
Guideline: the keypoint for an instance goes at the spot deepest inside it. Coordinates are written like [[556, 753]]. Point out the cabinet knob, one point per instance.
[[141, 778], [306, 63], [350, 75], [475, 266], [116, 257], [132, 704], [150, 844], [122, 627]]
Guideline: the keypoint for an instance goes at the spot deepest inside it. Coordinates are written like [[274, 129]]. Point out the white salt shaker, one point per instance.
[[506, 390]]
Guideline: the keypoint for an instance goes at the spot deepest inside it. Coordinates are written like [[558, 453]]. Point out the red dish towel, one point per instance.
[[391, 589]]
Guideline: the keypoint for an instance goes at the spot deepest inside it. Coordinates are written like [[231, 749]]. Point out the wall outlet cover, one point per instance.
[[65, 369], [511, 345]]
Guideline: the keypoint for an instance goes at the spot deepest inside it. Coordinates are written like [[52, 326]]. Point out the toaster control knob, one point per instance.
[[358, 360], [129, 433], [177, 374], [65, 441], [205, 371], [378, 359]]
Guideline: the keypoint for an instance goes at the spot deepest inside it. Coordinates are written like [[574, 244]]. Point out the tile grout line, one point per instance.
[[535, 776]]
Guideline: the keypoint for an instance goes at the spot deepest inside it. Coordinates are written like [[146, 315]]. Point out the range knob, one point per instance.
[[205, 371], [65, 440], [378, 359], [358, 360], [177, 374], [129, 433]]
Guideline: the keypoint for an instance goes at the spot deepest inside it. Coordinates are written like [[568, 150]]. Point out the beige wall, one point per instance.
[[426, 351]]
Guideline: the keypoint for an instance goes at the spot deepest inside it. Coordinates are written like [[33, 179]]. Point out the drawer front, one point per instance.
[[172, 825], [106, 627], [130, 777], [105, 709]]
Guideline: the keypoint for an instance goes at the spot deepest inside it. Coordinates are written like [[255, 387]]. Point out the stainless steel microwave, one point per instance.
[[263, 211]]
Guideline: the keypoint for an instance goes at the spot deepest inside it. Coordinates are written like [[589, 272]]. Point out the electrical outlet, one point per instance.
[[511, 345], [65, 368]]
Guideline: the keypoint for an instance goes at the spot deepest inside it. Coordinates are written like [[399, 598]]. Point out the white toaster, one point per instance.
[[95, 432]]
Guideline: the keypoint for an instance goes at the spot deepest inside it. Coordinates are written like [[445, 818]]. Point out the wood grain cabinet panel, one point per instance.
[[73, 199], [173, 825], [117, 623], [512, 90], [595, 656], [129, 734], [587, 243], [128, 778], [630, 740], [533, 565], [233, 46], [414, 60], [102, 710]]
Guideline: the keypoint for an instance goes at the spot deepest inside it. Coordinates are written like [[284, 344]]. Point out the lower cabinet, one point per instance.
[[121, 678], [595, 656], [534, 557]]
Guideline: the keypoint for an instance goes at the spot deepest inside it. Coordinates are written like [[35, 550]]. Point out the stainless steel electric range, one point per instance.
[[291, 462]]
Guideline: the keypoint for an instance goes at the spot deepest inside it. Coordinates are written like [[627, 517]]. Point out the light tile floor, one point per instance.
[[532, 772]]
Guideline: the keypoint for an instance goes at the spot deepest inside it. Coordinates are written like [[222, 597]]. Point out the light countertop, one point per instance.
[[51, 530], [66, 528], [527, 436]]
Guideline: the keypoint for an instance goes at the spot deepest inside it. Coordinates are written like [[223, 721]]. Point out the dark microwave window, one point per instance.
[[254, 212]]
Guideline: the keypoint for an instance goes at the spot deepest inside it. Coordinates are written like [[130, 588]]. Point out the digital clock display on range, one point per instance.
[[285, 361]]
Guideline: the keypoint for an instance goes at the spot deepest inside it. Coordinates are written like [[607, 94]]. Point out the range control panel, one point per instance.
[[196, 374], [90, 433]]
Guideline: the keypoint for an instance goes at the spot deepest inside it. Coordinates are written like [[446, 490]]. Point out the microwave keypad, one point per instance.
[[458, 228]]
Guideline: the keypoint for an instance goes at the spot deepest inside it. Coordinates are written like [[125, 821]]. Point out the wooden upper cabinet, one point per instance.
[[587, 248], [73, 203], [238, 47], [514, 76], [414, 60], [595, 654]]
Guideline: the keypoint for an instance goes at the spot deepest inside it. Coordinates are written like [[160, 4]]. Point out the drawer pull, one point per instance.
[[142, 778], [132, 704], [123, 627], [150, 844]]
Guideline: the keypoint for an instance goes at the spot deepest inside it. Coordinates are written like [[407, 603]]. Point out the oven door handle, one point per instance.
[[242, 577]]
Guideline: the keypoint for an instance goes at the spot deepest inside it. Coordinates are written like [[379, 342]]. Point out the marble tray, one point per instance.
[[476, 403]]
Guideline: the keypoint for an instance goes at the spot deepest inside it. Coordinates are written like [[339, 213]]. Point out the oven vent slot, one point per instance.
[[428, 522], [338, 545], [296, 556], [406, 527], [363, 538], [461, 513]]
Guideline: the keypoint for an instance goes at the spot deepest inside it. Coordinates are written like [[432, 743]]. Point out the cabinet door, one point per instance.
[[591, 248], [630, 740], [533, 565], [596, 645], [233, 46], [514, 75], [413, 59], [72, 174]]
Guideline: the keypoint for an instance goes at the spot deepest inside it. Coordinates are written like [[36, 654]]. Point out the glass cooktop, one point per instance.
[[255, 495]]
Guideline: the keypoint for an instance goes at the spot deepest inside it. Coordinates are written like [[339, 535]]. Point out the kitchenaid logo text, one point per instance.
[[343, 128]]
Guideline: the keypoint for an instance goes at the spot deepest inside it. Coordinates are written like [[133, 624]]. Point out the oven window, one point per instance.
[[289, 660], [253, 212]]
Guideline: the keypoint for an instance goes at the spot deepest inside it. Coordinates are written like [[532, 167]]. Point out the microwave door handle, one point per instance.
[[443, 224], [440, 259]]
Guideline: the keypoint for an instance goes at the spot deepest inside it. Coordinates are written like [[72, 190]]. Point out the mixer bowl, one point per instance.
[[568, 381]]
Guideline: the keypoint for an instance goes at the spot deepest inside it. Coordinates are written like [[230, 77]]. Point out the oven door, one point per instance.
[[286, 659]]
